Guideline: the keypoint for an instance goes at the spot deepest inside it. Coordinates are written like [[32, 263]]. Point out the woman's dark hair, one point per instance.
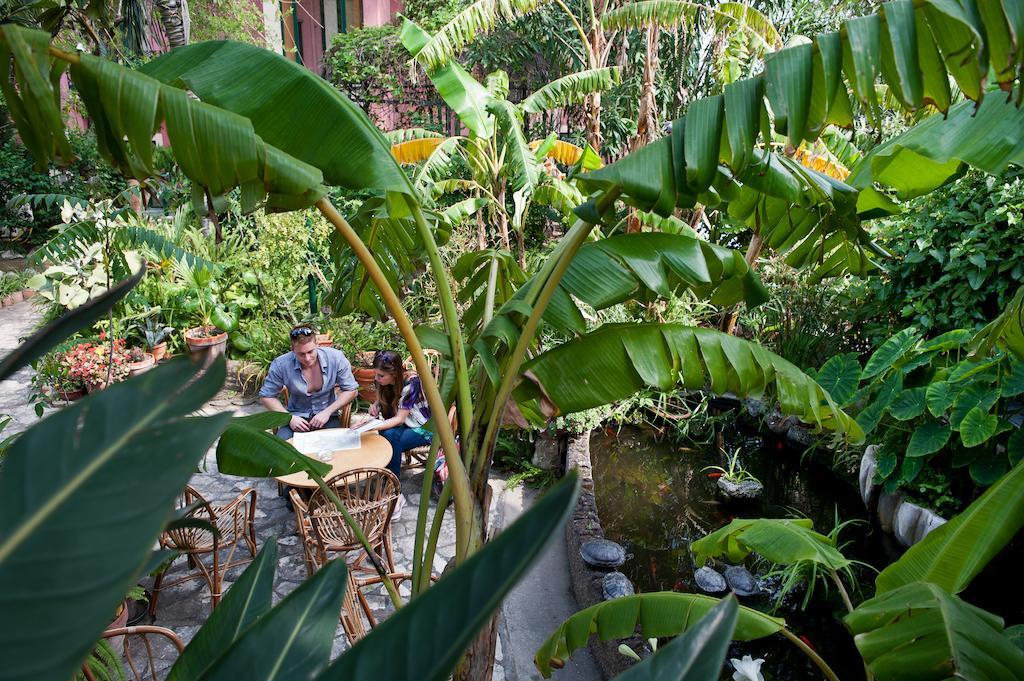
[[389, 362]]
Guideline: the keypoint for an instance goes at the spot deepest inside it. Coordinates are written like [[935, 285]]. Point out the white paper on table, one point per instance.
[[328, 439], [372, 423]]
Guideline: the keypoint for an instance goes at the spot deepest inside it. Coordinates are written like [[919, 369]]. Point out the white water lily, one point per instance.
[[747, 669]]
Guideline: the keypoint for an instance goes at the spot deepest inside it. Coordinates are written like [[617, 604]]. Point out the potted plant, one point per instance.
[[52, 380], [93, 365], [139, 361], [156, 332], [216, 321]]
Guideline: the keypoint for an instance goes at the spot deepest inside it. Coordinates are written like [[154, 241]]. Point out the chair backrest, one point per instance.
[[185, 537], [369, 495], [433, 358], [148, 652]]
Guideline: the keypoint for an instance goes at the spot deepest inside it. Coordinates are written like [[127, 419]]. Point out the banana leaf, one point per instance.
[[617, 360], [127, 108], [657, 615], [290, 107], [1006, 330], [783, 542], [570, 89], [954, 553], [696, 655], [920, 632]]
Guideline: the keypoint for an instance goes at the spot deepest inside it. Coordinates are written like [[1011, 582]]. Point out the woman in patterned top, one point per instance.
[[405, 412]]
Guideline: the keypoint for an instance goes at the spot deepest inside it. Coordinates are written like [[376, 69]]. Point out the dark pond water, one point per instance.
[[654, 499]]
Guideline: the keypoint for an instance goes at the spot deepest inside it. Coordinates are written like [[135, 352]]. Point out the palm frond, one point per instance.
[[70, 242], [571, 89], [477, 19], [46, 201], [141, 237]]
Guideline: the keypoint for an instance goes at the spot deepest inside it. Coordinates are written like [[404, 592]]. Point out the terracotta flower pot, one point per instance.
[[365, 358], [95, 387], [159, 351], [117, 644], [28, 293], [364, 377], [323, 340], [206, 343], [142, 366], [71, 395]]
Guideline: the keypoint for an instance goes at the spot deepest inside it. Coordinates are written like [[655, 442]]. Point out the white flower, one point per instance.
[[67, 212], [747, 669]]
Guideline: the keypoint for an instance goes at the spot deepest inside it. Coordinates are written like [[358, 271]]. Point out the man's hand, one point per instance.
[[319, 420], [299, 424]]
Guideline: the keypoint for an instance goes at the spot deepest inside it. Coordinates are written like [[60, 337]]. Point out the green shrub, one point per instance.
[[957, 256]]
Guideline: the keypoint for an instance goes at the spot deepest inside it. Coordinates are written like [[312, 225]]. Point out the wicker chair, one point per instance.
[[317, 549], [234, 522], [140, 657]]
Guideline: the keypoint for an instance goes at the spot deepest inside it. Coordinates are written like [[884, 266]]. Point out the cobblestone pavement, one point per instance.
[[185, 607]]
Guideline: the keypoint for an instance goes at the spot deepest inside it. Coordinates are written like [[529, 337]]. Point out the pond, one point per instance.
[[654, 498]]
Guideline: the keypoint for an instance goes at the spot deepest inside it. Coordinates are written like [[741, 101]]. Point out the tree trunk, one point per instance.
[[593, 101], [172, 17], [478, 663], [502, 221], [646, 120]]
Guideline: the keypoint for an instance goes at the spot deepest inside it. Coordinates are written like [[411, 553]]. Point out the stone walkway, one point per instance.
[[532, 611]]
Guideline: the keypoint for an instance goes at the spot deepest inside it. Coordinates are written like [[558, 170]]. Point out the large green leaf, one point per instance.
[[782, 542], [649, 266], [290, 107], [521, 164], [570, 89], [919, 631], [908, 404], [934, 151], [951, 555], [840, 376], [463, 93], [477, 271], [890, 352], [977, 426], [730, 17], [658, 615], [95, 482], [248, 599], [696, 655], [443, 620], [293, 640], [929, 438], [247, 449], [617, 360], [801, 213]]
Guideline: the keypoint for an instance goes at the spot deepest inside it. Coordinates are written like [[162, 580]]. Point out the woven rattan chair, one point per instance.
[[234, 522], [417, 456], [352, 611], [140, 647]]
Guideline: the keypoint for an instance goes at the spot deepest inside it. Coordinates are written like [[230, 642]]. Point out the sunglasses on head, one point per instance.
[[301, 331], [385, 356]]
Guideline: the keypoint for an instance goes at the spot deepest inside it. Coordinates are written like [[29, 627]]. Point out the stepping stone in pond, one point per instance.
[[748, 489], [710, 580], [741, 581], [616, 585], [603, 553]]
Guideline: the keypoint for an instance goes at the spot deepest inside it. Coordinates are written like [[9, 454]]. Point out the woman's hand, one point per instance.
[[299, 424], [319, 420], [374, 409]]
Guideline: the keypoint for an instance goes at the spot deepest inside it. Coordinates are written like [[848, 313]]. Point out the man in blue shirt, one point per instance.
[[310, 373]]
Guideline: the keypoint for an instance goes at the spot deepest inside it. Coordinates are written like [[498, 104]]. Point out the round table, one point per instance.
[[374, 452]]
